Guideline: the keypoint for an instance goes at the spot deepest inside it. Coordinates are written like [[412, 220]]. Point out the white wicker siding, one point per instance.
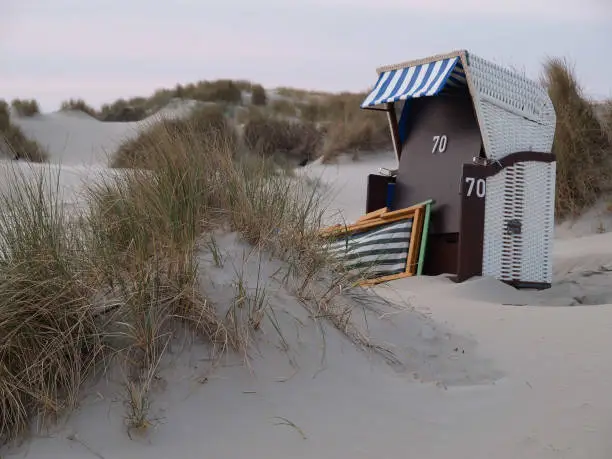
[[494, 226], [515, 113], [538, 222], [514, 207], [524, 192]]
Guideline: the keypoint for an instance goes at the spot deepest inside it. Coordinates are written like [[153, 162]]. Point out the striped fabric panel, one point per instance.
[[417, 81], [380, 251]]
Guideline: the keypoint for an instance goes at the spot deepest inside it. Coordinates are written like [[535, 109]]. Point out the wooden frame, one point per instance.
[[420, 222], [373, 214]]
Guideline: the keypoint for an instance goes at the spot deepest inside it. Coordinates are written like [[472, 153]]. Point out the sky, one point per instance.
[[101, 50]]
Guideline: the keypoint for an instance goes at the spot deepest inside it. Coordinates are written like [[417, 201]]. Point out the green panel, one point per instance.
[[424, 234]]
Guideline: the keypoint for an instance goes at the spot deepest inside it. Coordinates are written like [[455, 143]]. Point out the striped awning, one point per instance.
[[411, 82]]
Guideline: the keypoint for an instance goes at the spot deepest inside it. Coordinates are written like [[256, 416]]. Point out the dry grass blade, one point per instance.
[[287, 422]]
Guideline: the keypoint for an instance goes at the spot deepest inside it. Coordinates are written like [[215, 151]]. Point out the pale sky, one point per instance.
[[101, 50]]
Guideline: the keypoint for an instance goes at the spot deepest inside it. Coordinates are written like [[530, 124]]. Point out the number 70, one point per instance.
[[439, 143], [481, 186]]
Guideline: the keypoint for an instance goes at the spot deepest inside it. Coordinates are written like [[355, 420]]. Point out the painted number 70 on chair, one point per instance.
[[477, 187]]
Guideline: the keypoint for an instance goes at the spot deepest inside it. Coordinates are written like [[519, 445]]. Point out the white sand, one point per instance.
[[469, 373]]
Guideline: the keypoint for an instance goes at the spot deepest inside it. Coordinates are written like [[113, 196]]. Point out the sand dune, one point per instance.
[[472, 370], [76, 138]]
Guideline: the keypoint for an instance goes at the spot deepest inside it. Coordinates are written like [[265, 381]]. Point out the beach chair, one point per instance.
[[476, 138]]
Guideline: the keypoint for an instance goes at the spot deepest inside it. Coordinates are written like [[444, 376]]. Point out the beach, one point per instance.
[[471, 370]]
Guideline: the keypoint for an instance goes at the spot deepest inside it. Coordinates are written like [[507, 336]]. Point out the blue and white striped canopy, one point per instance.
[[415, 81]]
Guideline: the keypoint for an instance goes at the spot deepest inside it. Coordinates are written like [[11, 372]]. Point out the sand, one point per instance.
[[472, 370]]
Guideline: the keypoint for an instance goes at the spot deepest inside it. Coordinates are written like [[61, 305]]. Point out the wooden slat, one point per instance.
[[415, 241], [366, 222], [379, 280], [373, 223], [373, 214], [406, 210]]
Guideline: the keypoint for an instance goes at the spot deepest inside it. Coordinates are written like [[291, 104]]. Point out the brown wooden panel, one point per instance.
[[376, 196], [442, 254], [471, 236], [425, 175]]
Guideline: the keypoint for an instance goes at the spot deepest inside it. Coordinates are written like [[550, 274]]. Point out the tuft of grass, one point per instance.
[[360, 133], [606, 116], [138, 395], [284, 107], [18, 146], [5, 116], [250, 304], [219, 91], [13, 141], [581, 145], [25, 107], [348, 128], [226, 91], [203, 126], [49, 340], [215, 251], [299, 94], [269, 136], [124, 111], [80, 105], [258, 95]]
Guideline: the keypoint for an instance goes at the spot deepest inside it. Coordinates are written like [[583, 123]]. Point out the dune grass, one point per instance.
[[125, 110], [347, 127], [79, 105], [223, 91], [49, 339], [284, 107], [13, 141], [269, 136], [338, 117], [205, 123], [25, 107], [299, 94], [115, 282], [359, 133], [606, 115], [582, 146], [5, 118], [258, 95]]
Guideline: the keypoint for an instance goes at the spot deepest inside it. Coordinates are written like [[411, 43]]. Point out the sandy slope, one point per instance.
[[467, 372], [75, 138]]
